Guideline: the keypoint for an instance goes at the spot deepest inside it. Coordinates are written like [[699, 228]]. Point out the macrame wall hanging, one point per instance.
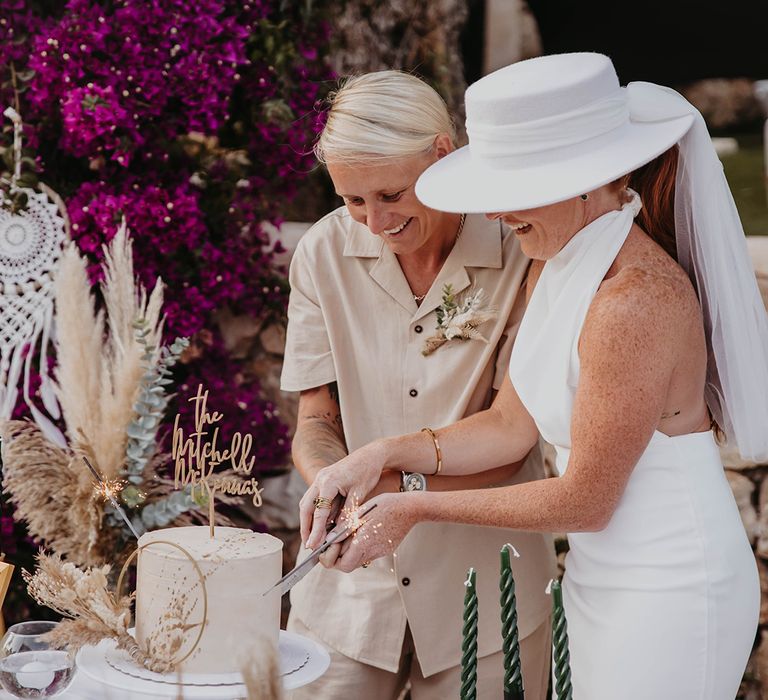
[[33, 229]]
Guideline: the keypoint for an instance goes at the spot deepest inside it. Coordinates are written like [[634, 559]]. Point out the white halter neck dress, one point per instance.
[[663, 603]]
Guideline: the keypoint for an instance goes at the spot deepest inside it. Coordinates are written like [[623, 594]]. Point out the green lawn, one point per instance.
[[745, 171]]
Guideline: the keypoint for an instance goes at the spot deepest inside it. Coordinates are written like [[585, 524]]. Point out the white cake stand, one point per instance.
[[301, 661]]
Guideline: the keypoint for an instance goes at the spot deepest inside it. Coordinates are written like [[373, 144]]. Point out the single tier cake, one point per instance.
[[238, 566]]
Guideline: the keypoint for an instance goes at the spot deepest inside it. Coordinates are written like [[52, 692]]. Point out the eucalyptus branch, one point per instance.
[[151, 402]]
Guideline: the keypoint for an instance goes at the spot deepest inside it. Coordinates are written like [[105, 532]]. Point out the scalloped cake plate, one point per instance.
[[301, 661]]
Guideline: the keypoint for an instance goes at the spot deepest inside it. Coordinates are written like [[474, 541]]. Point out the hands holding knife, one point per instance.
[[335, 536]]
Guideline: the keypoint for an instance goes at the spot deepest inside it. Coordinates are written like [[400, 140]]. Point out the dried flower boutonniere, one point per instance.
[[459, 319]]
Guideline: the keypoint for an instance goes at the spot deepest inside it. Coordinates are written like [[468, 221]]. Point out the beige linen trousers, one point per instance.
[[353, 320]]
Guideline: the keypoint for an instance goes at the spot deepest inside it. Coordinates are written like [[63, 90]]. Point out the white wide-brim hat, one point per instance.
[[551, 128]]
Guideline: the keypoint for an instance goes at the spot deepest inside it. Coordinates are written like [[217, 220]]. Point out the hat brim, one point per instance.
[[460, 183]]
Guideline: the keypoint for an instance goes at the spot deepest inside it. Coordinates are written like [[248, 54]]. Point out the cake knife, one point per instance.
[[299, 572]]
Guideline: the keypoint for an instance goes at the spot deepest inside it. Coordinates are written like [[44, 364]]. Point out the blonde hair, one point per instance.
[[380, 116]]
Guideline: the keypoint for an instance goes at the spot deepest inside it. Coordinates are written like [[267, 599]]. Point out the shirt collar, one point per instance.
[[480, 245], [361, 243]]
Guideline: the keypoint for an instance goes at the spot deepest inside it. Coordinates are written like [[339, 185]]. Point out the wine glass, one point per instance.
[[29, 666]]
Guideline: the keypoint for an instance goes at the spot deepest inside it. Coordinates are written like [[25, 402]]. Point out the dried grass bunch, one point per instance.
[[53, 493], [92, 612]]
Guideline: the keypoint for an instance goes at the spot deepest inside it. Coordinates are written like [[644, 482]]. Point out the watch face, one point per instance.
[[415, 482]]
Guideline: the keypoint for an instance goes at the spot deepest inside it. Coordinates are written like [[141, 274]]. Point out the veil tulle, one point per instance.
[[711, 247]]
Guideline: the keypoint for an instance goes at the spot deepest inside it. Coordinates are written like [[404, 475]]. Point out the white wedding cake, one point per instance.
[[237, 565]]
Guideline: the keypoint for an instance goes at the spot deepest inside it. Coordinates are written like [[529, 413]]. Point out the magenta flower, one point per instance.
[[95, 122]]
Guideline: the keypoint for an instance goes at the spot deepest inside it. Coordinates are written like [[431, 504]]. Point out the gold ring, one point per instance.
[[366, 565], [321, 503]]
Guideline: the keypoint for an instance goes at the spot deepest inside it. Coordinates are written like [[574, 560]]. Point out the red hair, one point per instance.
[[655, 183]]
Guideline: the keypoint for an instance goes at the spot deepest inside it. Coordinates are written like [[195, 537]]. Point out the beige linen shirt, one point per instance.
[[353, 320]]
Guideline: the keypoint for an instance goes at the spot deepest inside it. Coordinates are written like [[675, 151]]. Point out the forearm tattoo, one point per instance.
[[319, 438], [317, 444]]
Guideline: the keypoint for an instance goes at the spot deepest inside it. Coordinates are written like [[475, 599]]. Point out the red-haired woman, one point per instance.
[[644, 330]]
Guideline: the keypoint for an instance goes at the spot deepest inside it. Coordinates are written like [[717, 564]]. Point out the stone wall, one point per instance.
[[402, 34], [749, 482]]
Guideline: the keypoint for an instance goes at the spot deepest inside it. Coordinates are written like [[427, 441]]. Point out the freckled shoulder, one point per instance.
[[646, 302]]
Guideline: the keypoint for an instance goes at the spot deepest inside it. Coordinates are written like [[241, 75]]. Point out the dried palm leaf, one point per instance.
[[79, 342], [51, 492]]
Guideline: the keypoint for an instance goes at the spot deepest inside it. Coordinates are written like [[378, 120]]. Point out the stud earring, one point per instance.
[[584, 197]]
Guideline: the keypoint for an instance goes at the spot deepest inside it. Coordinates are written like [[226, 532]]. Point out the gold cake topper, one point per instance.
[[197, 455]]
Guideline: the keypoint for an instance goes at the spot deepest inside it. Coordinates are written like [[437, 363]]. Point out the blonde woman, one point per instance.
[[365, 351]]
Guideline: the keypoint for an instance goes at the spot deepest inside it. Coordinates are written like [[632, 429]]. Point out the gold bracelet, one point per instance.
[[438, 452]]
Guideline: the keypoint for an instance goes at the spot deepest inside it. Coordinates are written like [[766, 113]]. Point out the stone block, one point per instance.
[[238, 332], [743, 488], [731, 459], [762, 569], [512, 34], [272, 339], [762, 525], [725, 102], [760, 668]]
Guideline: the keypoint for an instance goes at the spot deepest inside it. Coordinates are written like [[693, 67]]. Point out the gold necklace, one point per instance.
[[418, 298]]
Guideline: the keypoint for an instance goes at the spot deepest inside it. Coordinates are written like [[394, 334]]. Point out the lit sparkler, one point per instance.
[[353, 520], [107, 490], [350, 515]]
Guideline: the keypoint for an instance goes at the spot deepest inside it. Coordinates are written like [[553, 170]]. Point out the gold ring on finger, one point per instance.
[[322, 502], [366, 564]]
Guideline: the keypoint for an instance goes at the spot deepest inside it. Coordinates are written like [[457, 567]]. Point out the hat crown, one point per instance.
[[550, 128], [539, 88]]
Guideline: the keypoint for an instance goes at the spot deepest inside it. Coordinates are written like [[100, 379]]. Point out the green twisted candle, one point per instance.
[[513, 675], [468, 689], [561, 656]]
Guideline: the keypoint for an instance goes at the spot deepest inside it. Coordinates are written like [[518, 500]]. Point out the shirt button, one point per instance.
[[406, 581], [418, 329], [413, 392]]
